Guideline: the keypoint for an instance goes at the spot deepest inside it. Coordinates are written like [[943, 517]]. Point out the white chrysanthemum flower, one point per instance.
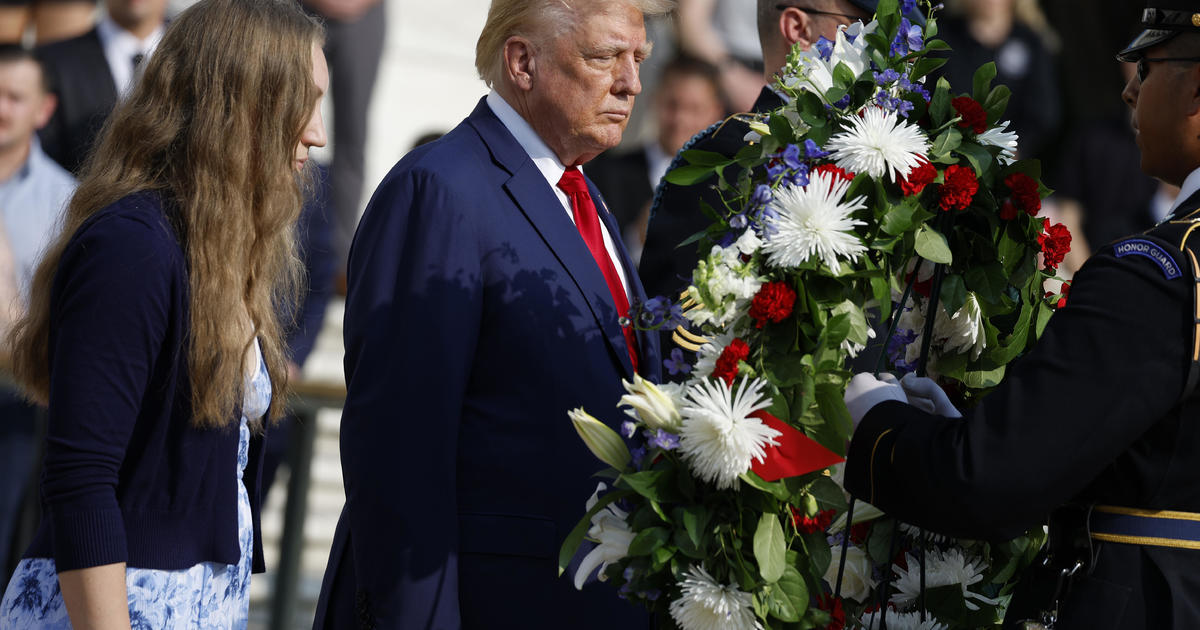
[[719, 439], [878, 143], [813, 220], [707, 605], [902, 621], [852, 349], [999, 136], [963, 332], [914, 531], [942, 568], [611, 531], [858, 578]]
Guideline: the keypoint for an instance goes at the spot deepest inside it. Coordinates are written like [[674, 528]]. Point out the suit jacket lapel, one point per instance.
[[96, 65], [647, 339], [542, 208]]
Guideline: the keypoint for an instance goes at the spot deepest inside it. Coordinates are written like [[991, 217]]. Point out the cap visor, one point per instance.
[[1147, 39]]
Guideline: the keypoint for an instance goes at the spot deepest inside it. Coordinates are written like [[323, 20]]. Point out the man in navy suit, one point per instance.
[[487, 285]]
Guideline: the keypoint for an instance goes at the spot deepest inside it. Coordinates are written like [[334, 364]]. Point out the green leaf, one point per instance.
[[981, 160], [769, 547], [781, 129], [988, 281], [776, 489], [936, 44], [647, 541], [947, 141], [879, 541], [954, 293], [899, 219], [857, 320], [575, 538], [984, 378], [932, 246], [939, 105], [843, 76], [927, 65], [1043, 318], [689, 175], [833, 408], [646, 483], [787, 599], [1015, 343], [997, 102], [705, 158], [694, 521], [981, 84]]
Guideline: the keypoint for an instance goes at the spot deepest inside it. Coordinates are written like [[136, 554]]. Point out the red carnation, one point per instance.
[[835, 170], [1008, 211], [1025, 192], [960, 187], [859, 532], [973, 116], [1055, 242], [918, 178], [812, 524], [727, 363], [773, 302], [833, 606], [1063, 292]]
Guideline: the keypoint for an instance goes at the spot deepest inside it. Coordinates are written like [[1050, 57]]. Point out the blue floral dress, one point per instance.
[[207, 596]]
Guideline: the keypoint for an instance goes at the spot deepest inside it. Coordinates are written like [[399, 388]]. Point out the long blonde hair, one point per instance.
[[213, 127]]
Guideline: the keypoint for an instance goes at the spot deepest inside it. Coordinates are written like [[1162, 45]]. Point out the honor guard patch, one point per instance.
[[1140, 247]]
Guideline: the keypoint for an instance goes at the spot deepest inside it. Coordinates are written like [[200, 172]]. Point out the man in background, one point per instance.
[[34, 192], [94, 71], [688, 99], [666, 269]]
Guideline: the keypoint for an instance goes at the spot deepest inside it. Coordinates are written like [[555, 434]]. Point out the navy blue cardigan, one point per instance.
[[127, 478]]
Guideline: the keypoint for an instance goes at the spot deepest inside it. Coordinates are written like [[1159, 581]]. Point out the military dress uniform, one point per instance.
[[1095, 414]]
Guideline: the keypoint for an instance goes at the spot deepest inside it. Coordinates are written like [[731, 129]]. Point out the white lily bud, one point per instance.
[[654, 408], [602, 441]]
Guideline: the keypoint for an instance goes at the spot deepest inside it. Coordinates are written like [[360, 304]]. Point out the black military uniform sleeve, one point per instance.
[[1110, 365]]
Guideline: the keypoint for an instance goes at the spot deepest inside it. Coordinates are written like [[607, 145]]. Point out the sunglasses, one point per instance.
[[780, 7], [1143, 69]]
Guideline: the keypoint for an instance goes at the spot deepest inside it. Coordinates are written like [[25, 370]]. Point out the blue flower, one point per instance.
[[628, 428], [737, 221], [775, 168], [762, 196], [824, 48], [909, 38], [676, 364], [791, 157], [886, 77], [638, 453], [903, 107], [897, 349], [907, 6], [845, 100], [662, 439], [813, 151], [800, 177]]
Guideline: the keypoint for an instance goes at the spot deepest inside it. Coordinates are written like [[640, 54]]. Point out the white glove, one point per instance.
[[865, 391], [926, 395]]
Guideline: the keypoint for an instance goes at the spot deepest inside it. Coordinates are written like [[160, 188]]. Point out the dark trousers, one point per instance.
[[353, 50], [19, 448]]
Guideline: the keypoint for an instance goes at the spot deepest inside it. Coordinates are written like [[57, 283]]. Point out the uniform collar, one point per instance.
[[1190, 186]]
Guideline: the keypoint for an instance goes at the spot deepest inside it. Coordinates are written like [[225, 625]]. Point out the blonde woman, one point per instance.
[[152, 333]]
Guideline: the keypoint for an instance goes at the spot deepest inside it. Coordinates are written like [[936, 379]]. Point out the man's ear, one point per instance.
[[520, 62], [796, 26], [46, 110]]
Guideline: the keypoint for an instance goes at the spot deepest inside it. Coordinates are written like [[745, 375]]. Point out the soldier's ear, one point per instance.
[[520, 62], [796, 26]]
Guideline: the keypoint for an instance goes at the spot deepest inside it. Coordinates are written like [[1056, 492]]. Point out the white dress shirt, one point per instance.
[[1189, 188], [552, 169], [120, 47]]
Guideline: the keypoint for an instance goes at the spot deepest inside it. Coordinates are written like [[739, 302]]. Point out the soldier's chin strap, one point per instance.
[[1189, 247]]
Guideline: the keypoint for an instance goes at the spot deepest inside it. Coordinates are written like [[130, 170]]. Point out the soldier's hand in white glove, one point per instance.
[[926, 395], [866, 390]]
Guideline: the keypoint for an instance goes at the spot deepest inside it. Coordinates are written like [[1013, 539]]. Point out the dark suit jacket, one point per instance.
[[624, 180], [86, 96], [1095, 414], [475, 319], [666, 268]]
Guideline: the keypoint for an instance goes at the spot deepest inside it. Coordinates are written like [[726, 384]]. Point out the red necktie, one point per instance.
[[588, 222]]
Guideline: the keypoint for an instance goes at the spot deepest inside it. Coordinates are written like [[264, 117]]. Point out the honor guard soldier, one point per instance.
[[1097, 429]]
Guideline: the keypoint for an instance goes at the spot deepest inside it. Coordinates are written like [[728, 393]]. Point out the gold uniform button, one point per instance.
[[1196, 20]]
